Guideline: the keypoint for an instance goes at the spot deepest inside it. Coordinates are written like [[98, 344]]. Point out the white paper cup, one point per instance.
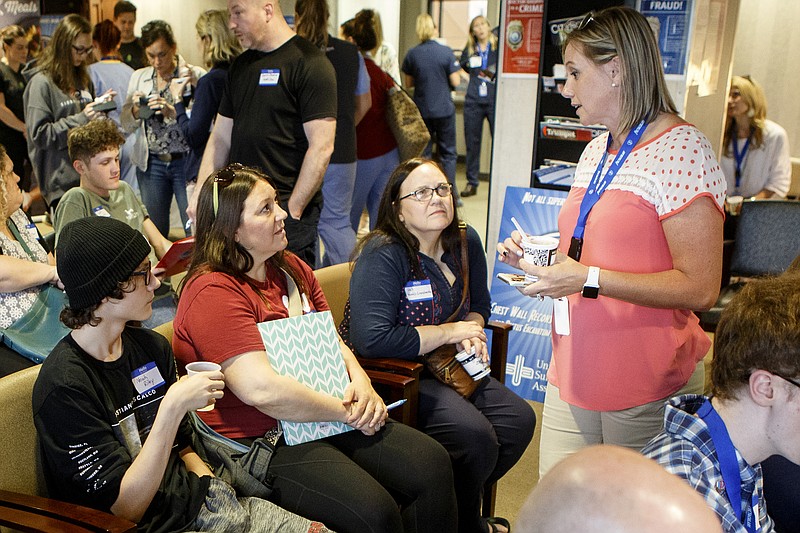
[[539, 251], [734, 204], [473, 364], [197, 367]]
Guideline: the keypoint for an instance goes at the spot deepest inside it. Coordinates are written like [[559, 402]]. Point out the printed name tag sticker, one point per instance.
[[31, 229], [269, 77], [146, 377], [419, 290], [100, 211]]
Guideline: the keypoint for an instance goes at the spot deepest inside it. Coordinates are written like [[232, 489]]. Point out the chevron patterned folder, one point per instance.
[[306, 348]]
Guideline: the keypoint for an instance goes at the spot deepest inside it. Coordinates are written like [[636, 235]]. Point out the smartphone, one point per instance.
[[111, 105], [515, 280], [145, 111]]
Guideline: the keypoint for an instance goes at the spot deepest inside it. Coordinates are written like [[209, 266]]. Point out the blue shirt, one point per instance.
[[197, 130], [685, 449], [430, 64]]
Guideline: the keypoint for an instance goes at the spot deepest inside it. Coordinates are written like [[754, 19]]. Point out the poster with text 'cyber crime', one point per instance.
[[529, 345]]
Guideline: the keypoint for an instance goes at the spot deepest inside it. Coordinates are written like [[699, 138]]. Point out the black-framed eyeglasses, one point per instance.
[[424, 194], [81, 50], [790, 380], [146, 273], [222, 179]]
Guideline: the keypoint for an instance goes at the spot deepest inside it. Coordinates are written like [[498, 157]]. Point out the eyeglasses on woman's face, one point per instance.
[[82, 50], [424, 194]]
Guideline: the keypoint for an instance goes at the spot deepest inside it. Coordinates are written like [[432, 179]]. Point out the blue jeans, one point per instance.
[[443, 133], [474, 113], [334, 219], [372, 175], [157, 186]]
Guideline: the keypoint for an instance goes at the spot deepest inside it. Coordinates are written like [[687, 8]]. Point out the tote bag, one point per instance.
[[36, 333], [406, 123]]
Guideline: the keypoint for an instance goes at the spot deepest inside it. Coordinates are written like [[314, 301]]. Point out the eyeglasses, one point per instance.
[[225, 177], [81, 50], [144, 273], [790, 380], [424, 194]]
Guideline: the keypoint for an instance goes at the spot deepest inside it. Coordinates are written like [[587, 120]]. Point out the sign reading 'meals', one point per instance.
[[24, 13], [529, 345]]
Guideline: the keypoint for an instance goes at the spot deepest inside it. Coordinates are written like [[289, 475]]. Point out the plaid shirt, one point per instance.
[[685, 449]]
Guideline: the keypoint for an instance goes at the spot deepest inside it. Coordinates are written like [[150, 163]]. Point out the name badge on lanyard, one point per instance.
[[269, 77], [419, 290], [475, 62], [146, 378], [729, 468]]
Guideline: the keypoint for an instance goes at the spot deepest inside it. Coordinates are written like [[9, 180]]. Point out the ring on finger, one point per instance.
[[539, 297]]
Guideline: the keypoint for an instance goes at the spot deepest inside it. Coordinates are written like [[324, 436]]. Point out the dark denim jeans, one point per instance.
[[157, 185]]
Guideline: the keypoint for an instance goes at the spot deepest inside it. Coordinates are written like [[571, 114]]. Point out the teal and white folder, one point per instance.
[[307, 349]]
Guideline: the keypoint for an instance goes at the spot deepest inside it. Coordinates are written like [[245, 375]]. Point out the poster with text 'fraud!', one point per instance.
[[523, 36], [529, 345]]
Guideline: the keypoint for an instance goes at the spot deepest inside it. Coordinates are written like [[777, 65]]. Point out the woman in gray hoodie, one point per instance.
[[58, 97]]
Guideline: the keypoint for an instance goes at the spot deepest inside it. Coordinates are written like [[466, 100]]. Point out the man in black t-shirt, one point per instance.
[[110, 411], [130, 48], [278, 113]]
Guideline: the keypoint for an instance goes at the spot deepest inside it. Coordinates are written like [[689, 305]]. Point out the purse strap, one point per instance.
[[462, 230], [295, 306]]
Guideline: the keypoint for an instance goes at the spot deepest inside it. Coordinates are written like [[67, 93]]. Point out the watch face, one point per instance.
[[590, 292]]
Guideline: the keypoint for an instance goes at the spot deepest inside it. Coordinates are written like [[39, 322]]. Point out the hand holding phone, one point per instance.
[[145, 111]]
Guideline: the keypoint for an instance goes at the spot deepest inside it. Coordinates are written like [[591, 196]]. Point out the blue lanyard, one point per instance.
[[739, 157], [729, 466], [600, 183], [484, 54]]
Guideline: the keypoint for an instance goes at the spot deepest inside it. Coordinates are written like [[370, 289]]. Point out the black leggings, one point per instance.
[[484, 436], [397, 481]]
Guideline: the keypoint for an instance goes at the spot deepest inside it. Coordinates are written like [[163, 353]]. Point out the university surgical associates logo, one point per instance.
[[18, 7]]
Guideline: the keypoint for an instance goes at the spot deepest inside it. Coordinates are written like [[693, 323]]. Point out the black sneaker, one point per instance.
[[469, 190]]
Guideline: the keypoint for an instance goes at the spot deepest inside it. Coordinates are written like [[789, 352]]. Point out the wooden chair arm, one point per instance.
[[499, 354], [393, 387], [394, 366], [23, 512]]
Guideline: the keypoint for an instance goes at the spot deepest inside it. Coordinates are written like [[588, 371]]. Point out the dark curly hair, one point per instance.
[[77, 318]]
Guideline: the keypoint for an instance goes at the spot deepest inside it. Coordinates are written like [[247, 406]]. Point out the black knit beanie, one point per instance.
[[94, 254]]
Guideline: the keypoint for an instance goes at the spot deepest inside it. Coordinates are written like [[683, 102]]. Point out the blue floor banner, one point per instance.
[[529, 346]]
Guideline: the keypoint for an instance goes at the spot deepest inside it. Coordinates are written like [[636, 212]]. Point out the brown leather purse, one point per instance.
[[442, 362]]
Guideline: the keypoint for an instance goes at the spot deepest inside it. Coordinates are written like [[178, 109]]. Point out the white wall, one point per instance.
[[766, 48], [182, 15]]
